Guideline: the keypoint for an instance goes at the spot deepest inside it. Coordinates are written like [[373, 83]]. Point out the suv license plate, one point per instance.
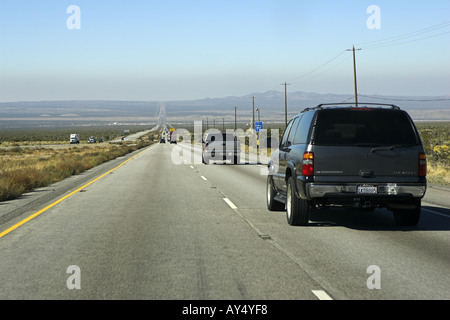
[[367, 190]]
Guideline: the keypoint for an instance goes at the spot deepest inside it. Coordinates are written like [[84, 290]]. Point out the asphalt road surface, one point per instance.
[[163, 227]]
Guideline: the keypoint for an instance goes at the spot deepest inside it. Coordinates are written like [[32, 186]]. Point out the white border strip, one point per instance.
[[231, 204], [322, 295]]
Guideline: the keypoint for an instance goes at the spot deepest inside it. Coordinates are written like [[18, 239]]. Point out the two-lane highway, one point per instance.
[[153, 229]]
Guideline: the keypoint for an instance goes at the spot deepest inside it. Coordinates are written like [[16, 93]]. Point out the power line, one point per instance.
[[387, 42], [382, 43], [332, 67], [409, 34], [321, 66], [396, 99], [393, 40], [317, 68], [399, 43], [352, 97]]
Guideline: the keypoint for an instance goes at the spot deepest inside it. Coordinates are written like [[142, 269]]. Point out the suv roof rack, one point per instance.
[[320, 106]]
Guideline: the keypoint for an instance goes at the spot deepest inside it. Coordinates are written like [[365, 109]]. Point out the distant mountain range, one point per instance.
[[270, 103]]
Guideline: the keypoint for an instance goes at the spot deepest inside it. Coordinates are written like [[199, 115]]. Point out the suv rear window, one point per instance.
[[222, 137], [364, 127]]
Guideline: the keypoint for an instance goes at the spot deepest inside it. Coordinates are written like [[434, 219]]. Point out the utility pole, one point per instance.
[[253, 121], [235, 127], [285, 102], [354, 74]]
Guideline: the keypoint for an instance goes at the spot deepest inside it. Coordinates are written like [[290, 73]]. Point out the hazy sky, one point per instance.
[[172, 50]]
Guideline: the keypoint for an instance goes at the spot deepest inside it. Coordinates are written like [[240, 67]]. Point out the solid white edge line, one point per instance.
[[322, 295], [231, 204]]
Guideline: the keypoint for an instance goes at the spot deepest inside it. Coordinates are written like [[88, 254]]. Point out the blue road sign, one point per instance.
[[258, 126]]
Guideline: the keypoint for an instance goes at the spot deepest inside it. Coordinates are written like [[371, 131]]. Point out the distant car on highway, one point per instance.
[[353, 157], [92, 140], [221, 146]]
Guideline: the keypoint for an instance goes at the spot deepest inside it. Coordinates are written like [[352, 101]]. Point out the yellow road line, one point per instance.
[[34, 215]]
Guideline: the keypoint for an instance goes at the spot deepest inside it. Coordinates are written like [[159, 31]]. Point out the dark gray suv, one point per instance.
[[354, 157]]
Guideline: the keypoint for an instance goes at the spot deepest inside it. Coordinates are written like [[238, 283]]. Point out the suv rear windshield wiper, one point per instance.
[[388, 148]]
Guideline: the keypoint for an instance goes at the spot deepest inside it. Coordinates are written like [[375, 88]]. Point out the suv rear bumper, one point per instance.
[[219, 155], [384, 190]]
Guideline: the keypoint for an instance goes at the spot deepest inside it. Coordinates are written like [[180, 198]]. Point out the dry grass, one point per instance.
[[438, 173], [32, 143], [24, 169]]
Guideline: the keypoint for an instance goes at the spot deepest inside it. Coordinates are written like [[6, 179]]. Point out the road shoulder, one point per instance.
[[31, 202], [437, 195]]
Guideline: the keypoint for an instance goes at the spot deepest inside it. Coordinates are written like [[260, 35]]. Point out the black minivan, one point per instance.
[[353, 157]]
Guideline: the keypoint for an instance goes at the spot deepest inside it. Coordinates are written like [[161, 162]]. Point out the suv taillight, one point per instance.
[[422, 165], [308, 164]]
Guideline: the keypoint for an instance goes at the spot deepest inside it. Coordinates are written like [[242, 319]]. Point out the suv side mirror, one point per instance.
[[287, 144]]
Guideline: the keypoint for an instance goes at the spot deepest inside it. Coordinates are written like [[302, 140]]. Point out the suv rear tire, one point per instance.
[[408, 217], [297, 209], [272, 204]]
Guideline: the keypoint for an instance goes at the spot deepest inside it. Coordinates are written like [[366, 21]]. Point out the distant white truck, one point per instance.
[[74, 138], [173, 137]]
